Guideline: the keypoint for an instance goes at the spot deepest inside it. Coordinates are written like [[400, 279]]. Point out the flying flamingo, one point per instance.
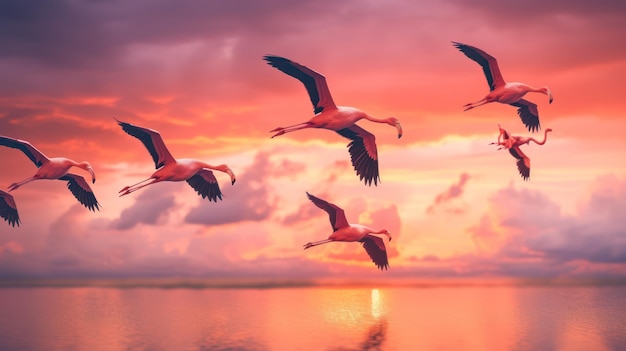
[[8, 209], [513, 142], [56, 168], [344, 231], [503, 92], [198, 174], [341, 119]]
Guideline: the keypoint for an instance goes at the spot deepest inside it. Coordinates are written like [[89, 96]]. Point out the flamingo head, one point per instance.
[[386, 232], [87, 167], [226, 169], [392, 121], [547, 91]]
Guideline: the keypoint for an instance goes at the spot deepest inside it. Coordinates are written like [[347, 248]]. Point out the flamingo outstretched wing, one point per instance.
[[152, 140], [205, 184], [81, 191], [487, 62], [375, 248], [8, 209], [523, 162], [363, 153], [33, 154], [529, 114], [335, 213], [314, 82]]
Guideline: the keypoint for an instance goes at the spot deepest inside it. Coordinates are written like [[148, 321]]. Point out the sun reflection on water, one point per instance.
[[377, 307]]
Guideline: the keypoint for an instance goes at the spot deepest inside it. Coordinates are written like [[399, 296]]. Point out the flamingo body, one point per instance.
[[340, 119], [56, 168], [181, 169], [504, 92], [347, 232], [197, 174]]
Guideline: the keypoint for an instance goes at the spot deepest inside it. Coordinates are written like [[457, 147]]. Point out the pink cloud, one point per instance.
[[526, 233], [11, 246], [151, 207], [250, 199], [453, 192], [304, 212], [307, 210]]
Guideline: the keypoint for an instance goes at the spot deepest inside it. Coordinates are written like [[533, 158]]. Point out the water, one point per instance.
[[314, 318]]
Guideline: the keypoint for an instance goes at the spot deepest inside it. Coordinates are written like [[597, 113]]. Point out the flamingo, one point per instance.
[[504, 92], [56, 168], [8, 209], [198, 174], [341, 119], [513, 142], [344, 231]]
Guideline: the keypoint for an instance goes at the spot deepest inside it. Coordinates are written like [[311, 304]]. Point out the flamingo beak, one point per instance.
[[399, 128], [93, 175], [232, 176], [550, 98]]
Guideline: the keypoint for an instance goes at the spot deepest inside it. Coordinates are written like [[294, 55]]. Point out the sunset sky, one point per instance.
[[193, 70]]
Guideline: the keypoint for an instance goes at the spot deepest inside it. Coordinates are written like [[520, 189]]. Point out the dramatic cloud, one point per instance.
[[150, 207], [70, 243], [46, 29], [453, 192], [11, 246], [528, 10], [307, 210], [249, 199], [526, 229], [388, 218]]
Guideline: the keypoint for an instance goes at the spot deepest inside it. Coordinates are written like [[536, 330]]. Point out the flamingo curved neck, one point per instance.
[[375, 119], [545, 137], [221, 168], [205, 165], [532, 89], [383, 232], [543, 90]]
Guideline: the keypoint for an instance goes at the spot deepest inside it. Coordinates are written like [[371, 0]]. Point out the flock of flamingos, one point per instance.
[[341, 119]]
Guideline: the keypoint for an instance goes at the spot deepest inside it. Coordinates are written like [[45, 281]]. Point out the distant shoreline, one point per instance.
[[260, 283]]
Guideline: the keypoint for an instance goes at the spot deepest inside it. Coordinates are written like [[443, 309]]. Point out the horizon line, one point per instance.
[[270, 283]]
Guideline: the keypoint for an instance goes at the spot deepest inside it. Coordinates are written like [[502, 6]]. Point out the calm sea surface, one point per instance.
[[314, 318]]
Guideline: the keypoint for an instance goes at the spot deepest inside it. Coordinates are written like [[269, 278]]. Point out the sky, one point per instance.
[[193, 70]]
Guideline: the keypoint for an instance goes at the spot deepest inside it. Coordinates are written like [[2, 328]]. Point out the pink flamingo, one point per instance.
[[341, 119], [198, 174], [56, 168], [513, 143], [8, 209], [344, 231], [503, 92]]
